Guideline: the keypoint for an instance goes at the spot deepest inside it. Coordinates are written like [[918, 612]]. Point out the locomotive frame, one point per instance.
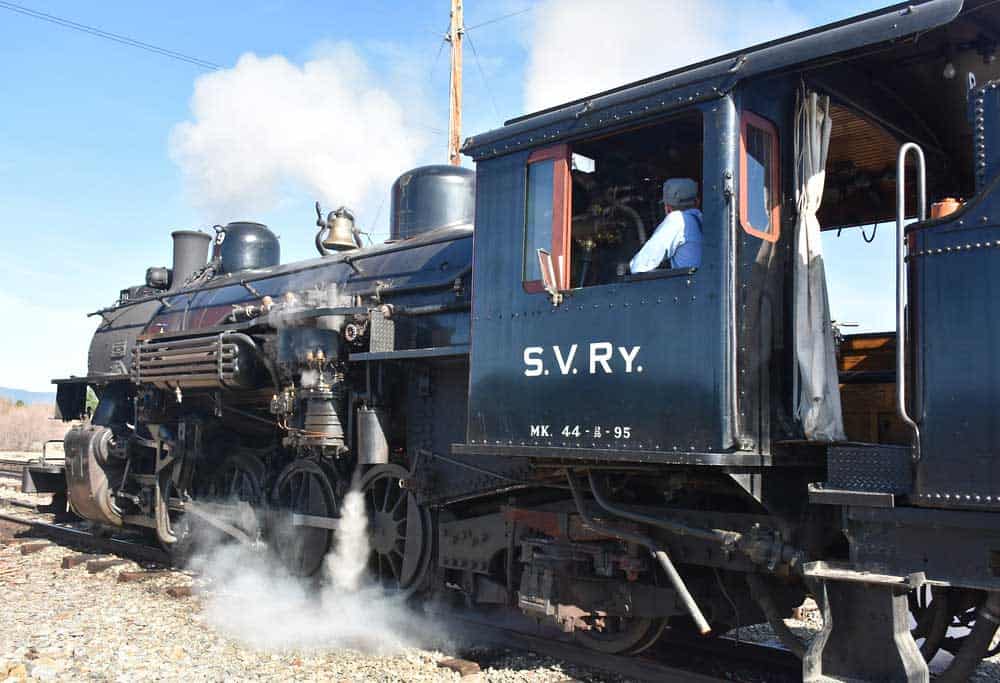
[[616, 454]]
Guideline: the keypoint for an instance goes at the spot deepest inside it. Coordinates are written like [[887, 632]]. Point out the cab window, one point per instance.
[[546, 216], [759, 195], [605, 199]]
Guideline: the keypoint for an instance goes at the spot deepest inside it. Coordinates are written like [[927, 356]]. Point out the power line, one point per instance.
[[107, 35], [437, 57], [501, 18], [482, 73], [132, 42]]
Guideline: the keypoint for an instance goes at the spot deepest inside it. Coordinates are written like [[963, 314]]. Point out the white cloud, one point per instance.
[[268, 129], [580, 47], [42, 343]]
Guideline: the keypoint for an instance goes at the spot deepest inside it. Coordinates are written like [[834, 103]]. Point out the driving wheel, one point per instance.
[[399, 530], [614, 635], [303, 488]]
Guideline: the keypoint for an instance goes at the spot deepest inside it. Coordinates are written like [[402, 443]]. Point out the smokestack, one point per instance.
[[190, 254]]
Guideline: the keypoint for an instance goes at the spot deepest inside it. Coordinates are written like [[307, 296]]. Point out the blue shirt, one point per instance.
[[677, 237]]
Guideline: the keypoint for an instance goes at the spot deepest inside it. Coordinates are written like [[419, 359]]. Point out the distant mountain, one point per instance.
[[27, 396]]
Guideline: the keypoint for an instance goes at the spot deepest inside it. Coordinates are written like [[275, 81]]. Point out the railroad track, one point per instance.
[[11, 468], [694, 660], [698, 660], [31, 524]]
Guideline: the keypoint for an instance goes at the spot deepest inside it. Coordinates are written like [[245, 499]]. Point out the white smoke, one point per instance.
[[252, 598], [346, 566], [309, 378], [581, 47], [332, 128]]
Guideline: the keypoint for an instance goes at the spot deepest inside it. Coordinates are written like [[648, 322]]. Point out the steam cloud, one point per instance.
[[580, 47], [331, 127], [256, 601], [347, 564]]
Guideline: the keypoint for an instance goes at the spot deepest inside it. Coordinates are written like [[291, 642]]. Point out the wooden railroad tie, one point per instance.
[[71, 561], [179, 591], [95, 566], [16, 540], [463, 667], [34, 547], [143, 575]]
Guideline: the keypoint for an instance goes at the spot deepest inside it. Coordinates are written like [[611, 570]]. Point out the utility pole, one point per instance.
[[455, 118]]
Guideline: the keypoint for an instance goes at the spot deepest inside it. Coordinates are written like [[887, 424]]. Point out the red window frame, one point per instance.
[[562, 206], [748, 118]]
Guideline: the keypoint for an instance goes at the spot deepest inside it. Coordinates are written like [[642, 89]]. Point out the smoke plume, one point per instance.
[[252, 598], [332, 127], [347, 564]]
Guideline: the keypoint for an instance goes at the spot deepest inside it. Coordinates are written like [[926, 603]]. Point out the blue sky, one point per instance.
[[98, 164]]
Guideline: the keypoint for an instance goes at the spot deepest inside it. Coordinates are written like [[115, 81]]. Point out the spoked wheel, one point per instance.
[[399, 530], [962, 615], [972, 638], [619, 635], [303, 488], [238, 482], [939, 612], [930, 612], [240, 478]]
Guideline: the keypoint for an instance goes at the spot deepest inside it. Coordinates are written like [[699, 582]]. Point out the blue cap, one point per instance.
[[680, 192]]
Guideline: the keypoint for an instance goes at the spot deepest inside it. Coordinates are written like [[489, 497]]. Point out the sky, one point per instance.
[[105, 148]]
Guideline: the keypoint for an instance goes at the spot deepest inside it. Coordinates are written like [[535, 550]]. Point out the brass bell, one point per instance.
[[340, 234]]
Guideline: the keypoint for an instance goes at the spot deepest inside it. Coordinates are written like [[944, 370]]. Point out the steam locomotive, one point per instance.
[[616, 454]]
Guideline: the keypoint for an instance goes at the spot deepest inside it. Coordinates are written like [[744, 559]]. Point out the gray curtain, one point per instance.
[[818, 401]]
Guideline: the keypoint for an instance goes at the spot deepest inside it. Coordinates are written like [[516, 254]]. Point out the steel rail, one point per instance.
[[67, 535], [524, 634], [632, 668]]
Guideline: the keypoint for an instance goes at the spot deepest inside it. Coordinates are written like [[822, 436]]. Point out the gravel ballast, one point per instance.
[[71, 625]]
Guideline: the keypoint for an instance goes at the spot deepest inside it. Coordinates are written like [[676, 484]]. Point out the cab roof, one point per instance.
[[714, 77]]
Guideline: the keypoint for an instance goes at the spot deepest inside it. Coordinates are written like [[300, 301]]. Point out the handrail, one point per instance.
[[901, 277]]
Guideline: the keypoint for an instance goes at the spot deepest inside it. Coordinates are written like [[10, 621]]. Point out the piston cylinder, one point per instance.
[[88, 463]]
